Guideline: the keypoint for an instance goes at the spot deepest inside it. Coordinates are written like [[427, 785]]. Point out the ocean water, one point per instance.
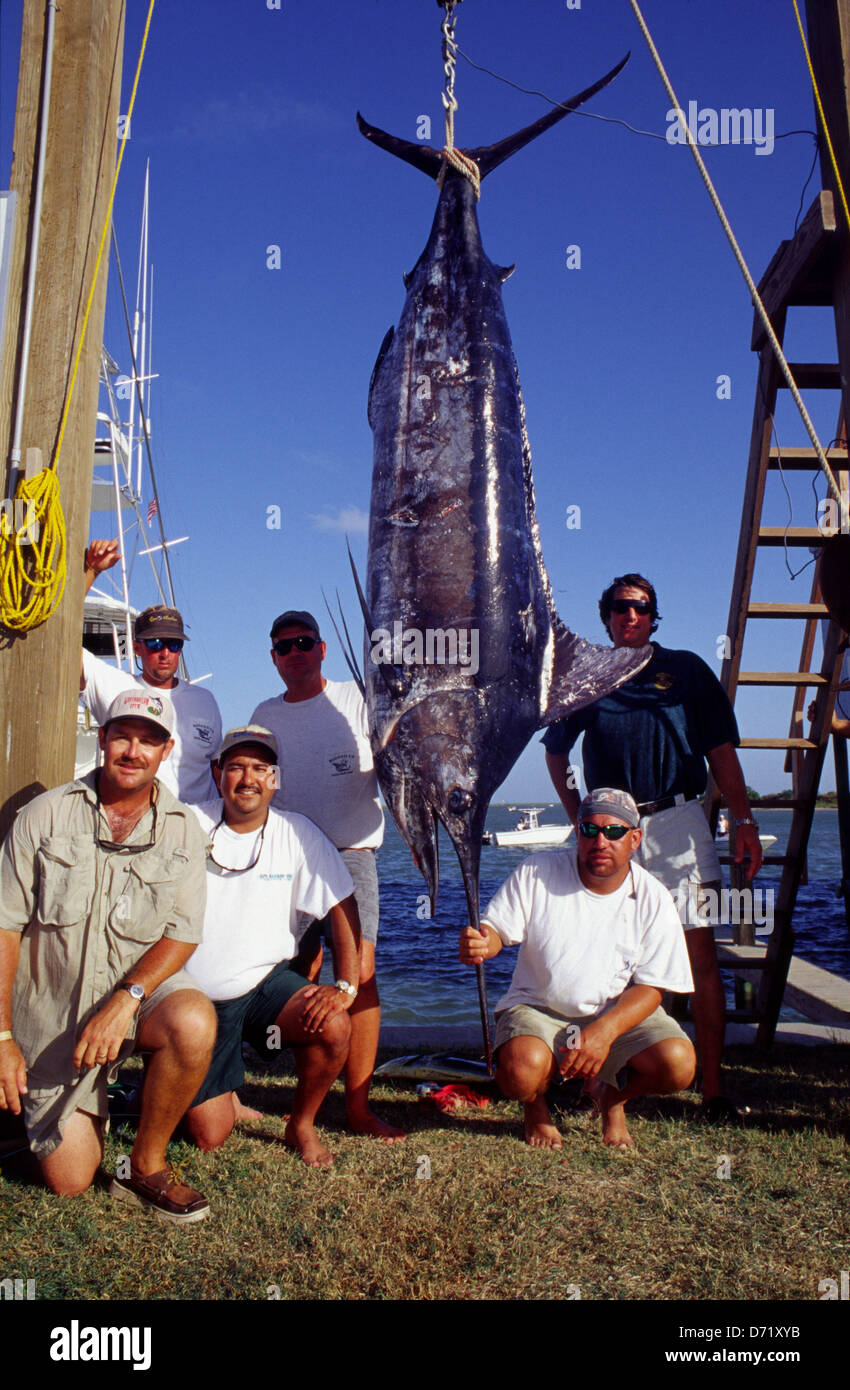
[[422, 981]]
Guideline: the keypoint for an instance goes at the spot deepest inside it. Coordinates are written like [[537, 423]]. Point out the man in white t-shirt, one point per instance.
[[264, 869], [327, 774], [159, 638], [600, 940]]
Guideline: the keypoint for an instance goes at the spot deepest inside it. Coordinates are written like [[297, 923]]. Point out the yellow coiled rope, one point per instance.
[[32, 543], [32, 553]]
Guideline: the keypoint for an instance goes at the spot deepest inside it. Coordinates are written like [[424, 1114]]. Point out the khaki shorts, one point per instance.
[[525, 1020], [678, 849], [47, 1108]]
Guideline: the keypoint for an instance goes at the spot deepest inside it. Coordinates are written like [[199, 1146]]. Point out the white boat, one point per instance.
[[529, 831], [722, 841], [123, 474], [722, 836]]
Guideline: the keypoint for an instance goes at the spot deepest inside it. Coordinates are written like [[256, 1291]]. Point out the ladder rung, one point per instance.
[[791, 535], [741, 964], [778, 859], [787, 610], [814, 376], [806, 459], [778, 743], [781, 678], [774, 803]]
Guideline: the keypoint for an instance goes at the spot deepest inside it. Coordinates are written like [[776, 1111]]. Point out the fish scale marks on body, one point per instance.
[[453, 537]]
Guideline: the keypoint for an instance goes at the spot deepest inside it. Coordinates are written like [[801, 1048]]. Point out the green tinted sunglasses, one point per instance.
[[611, 832]]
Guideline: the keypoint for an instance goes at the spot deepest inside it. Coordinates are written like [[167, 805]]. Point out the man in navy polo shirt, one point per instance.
[[652, 737]]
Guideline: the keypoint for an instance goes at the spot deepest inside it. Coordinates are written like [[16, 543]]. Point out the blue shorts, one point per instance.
[[248, 1018], [361, 864]]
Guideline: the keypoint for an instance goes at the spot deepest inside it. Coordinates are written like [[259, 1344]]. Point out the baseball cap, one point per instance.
[[292, 618], [612, 802], [138, 704], [248, 733], [159, 621]]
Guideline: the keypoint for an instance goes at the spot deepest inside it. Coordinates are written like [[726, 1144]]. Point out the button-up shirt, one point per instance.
[[88, 914]]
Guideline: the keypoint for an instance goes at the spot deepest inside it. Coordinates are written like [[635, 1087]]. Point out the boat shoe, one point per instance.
[[168, 1199]]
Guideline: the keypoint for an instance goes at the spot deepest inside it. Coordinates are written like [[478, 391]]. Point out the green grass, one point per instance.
[[495, 1219]]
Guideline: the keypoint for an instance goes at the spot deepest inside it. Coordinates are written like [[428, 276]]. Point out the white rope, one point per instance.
[[751, 286]]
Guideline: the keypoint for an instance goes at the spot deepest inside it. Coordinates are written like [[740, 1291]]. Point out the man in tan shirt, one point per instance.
[[102, 889]]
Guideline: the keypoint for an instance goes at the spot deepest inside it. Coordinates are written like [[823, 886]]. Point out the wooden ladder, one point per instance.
[[801, 273]]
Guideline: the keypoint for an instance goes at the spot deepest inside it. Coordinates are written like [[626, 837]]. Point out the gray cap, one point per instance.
[[139, 704], [294, 618], [610, 801], [248, 733]]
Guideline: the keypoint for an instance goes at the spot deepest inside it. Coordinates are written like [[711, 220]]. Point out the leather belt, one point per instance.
[[648, 808]]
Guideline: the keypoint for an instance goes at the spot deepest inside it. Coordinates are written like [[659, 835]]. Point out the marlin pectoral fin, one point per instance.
[[583, 672], [396, 683], [347, 648]]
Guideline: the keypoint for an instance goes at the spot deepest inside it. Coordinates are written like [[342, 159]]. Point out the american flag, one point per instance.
[[152, 511]]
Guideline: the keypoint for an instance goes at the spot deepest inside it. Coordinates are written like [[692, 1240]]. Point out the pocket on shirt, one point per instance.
[[65, 882], [145, 905]]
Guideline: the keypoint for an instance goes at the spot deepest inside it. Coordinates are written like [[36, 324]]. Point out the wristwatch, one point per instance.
[[747, 820], [137, 991], [346, 988]]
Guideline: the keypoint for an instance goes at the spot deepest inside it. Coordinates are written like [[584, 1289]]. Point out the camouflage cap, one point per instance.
[[159, 621], [610, 801]]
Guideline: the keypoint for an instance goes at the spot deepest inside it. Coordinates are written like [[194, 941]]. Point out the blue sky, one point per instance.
[[246, 114]]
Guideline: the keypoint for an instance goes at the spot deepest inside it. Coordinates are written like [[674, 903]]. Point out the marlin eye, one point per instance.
[[460, 801]]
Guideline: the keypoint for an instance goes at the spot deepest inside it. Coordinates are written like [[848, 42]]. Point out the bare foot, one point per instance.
[[303, 1138], [244, 1112], [540, 1133], [376, 1128], [613, 1112]]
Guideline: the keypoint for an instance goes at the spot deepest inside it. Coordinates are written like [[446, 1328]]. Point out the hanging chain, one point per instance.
[[447, 28], [456, 158]]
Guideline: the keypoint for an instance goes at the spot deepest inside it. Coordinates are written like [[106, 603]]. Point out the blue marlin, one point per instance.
[[465, 655]]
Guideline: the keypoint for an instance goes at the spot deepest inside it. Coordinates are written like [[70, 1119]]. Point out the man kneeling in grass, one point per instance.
[[264, 868], [600, 940]]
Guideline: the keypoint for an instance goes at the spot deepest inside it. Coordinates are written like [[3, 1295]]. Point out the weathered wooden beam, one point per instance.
[[39, 672]]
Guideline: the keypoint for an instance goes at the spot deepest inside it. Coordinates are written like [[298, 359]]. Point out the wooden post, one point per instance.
[[842, 788], [828, 27], [828, 24], [39, 670]]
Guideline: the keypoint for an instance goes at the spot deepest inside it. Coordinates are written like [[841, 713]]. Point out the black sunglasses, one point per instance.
[[156, 644], [611, 832], [624, 605], [284, 645], [121, 846], [217, 868]]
